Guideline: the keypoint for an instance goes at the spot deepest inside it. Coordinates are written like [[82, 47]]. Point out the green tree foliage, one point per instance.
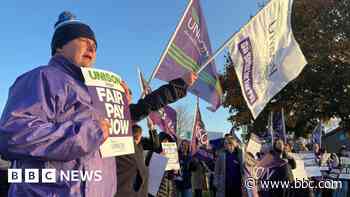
[[322, 90]]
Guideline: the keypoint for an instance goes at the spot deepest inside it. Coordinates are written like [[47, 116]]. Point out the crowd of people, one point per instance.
[[220, 176], [282, 162]]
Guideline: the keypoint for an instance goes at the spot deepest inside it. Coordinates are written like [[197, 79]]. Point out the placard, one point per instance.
[[109, 99], [170, 150], [156, 171]]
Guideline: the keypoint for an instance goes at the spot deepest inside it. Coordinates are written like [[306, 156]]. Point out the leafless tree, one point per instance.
[[184, 118]]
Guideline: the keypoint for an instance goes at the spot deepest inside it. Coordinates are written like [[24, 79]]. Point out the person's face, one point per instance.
[[316, 148], [287, 148], [279, 145], [186, 146], [230, 147], [80, 51], [137, 137]]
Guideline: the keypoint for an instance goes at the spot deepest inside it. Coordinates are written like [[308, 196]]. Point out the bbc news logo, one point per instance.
[[51, 175]]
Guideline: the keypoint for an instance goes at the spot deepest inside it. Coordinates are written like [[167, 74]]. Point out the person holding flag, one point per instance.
[[202, 159], [54, 123]]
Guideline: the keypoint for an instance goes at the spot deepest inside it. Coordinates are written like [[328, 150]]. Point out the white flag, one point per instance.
[[266, 55]]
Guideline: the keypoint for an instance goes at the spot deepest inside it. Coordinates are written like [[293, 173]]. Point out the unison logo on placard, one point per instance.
[[51, 175]]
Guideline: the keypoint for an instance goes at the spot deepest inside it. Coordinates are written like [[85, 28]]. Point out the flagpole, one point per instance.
[[321, 136], [321, 128], [140, 82], [194, 123], [218, 51], [143, 93], [271, 127], [170, 41], [284, 126], [195, 115]]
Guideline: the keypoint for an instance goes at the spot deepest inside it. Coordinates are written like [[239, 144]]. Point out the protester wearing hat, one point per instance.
[[49, 122]]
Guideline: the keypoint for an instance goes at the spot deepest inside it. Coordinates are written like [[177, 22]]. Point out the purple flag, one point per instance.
[[317, 134], [188, 49], [164, 118], [278, 125], [199, 134]]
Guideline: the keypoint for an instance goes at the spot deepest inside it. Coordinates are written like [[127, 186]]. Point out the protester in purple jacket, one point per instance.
[[275, 168], [49, 122]]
